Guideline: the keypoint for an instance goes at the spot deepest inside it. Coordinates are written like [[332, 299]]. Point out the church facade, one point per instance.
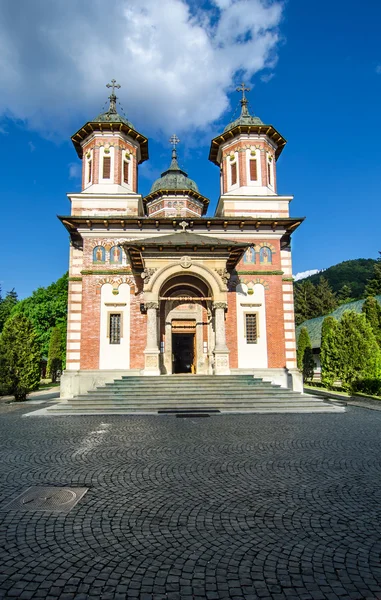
[[159, 287]]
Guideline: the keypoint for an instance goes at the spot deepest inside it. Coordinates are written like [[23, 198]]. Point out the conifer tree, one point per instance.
[[303, 343], [330, 351], [19, 357], [55, 354], [304, 293], [373, 286], [360, 353], [324, 299], [6, 306], [372, 311], [308, 364], [344, 294]]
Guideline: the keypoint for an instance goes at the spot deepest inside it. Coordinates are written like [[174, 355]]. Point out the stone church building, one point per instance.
[[159, 287]]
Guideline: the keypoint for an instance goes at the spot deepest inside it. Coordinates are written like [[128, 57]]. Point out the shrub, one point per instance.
[[303, 343], [371, 386]]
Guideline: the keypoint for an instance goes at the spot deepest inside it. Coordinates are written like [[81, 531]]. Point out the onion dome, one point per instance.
[[174, 178], [112, 121], [245, 117]]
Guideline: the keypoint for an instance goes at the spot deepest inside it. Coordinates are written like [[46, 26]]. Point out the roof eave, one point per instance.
[[268, 130], [92, 126]]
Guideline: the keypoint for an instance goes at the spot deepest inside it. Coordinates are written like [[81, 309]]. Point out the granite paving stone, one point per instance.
[[271, 506]]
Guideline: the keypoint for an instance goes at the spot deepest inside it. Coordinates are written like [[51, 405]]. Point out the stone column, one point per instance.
[[151, 353], [221, 352]]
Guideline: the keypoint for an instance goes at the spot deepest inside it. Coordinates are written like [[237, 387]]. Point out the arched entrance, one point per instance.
[[186, 326]]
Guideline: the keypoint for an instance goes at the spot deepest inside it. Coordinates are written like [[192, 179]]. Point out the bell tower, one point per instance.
[[247, 152], [111, 150]]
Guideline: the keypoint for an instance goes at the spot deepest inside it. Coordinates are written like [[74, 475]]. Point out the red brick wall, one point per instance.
[[138, 324], [90, 333], [275, 323], [231, 330]]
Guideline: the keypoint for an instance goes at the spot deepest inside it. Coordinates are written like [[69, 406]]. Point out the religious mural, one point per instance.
[[116, 254], [99, 254], [265, 256], [249, 256]]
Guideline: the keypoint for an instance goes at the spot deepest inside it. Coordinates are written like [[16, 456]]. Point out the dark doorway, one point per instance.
[[183, 352]]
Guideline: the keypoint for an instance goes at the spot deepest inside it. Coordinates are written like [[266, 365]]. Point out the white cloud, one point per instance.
[[32, 147], [378, 69], [176, 62], [75, 170], [304, 274]]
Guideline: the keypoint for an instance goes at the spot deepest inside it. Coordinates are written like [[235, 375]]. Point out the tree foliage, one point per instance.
[[20, 357], [308, 364], [373, 286], [359, 351], [46, 308], [303, 343], [56, 352], [354, 273], [372, 312], [330, 352], [313, 300], [344, 294], [6, 306]]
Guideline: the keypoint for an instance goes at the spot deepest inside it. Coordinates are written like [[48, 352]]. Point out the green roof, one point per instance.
[[244, 119], [314, 325], [112, 117], [174, 179]]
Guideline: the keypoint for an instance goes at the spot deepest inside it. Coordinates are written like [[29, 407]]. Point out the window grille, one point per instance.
[[253, 170], [251, 328], [115, 328], [234, 173], [125, 171], [106, 167]]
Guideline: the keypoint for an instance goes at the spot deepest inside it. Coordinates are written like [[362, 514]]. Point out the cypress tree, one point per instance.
[[373, 286], [330, 351], [372, 312], [308, 364], [55, 354], [360, 353], [19, 357], [303, 343]]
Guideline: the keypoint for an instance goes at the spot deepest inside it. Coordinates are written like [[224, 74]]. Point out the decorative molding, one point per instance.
[[154, 305], [75, 278], [223, 305], [224, 274], [147, 274], [260, 272], [115, 281], [185, 262], [126, 271], [288, 279]]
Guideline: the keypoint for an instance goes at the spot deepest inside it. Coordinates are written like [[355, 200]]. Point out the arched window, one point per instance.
[[265, 256], [99, 254], [249, 256], [116, 254]]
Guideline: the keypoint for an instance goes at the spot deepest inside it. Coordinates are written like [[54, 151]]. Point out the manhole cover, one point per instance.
[[51, 499]]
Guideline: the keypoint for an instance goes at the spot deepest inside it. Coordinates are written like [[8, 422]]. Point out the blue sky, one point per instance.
[[315, 72]]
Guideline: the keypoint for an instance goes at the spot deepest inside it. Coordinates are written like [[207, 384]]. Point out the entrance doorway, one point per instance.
[[183, 352]]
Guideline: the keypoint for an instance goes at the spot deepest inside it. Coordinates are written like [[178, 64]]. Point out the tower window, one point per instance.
[[269, 173], [125, 171], [106, 167], [253, 170], [234, 173], [251, 328], [115, 328], [89, 171]]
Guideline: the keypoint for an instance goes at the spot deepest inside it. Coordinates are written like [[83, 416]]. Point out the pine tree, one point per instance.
[[303, 343], [373, 286], [304, 293], [330, 352], [344, 294], [19, 357], [372, 311], [324, 299], [360, 353], [308, 364], [55, 354], [6, 306]]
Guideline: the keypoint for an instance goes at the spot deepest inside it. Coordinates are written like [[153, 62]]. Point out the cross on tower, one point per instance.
[[113, 85], [112, 96], [242, 88], [174, 140]]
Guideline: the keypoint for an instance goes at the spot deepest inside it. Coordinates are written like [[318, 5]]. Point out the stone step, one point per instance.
[[79, 409]]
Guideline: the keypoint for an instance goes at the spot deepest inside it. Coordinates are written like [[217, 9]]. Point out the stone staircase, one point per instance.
[[194, 395]]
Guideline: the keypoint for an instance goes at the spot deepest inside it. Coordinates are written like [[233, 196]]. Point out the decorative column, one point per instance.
[[221, 352], [151, 353]]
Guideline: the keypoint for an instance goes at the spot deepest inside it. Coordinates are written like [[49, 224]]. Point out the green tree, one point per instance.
[[330, 351], [6, 306], [46, 308], [303, 343], [55, 353], [373, 286], [360, 353], [20, 357], [308, 364], [324, 299], [304, 293], [344, 294], [372, 311]]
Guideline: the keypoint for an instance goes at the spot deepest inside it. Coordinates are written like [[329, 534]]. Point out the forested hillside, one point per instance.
[[353, 273]]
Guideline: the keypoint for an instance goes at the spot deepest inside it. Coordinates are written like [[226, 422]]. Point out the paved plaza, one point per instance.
[[230, 506]]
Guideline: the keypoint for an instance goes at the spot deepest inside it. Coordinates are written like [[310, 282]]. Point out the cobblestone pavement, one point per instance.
[[234, 506]]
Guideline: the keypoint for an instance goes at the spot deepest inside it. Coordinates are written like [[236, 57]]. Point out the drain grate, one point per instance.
[[49, 499]]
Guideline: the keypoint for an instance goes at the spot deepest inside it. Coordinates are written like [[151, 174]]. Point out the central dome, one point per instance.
[[174, 179]]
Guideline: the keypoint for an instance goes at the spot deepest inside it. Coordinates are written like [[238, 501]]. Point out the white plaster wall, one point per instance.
[[251, 356], [115, 356]]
